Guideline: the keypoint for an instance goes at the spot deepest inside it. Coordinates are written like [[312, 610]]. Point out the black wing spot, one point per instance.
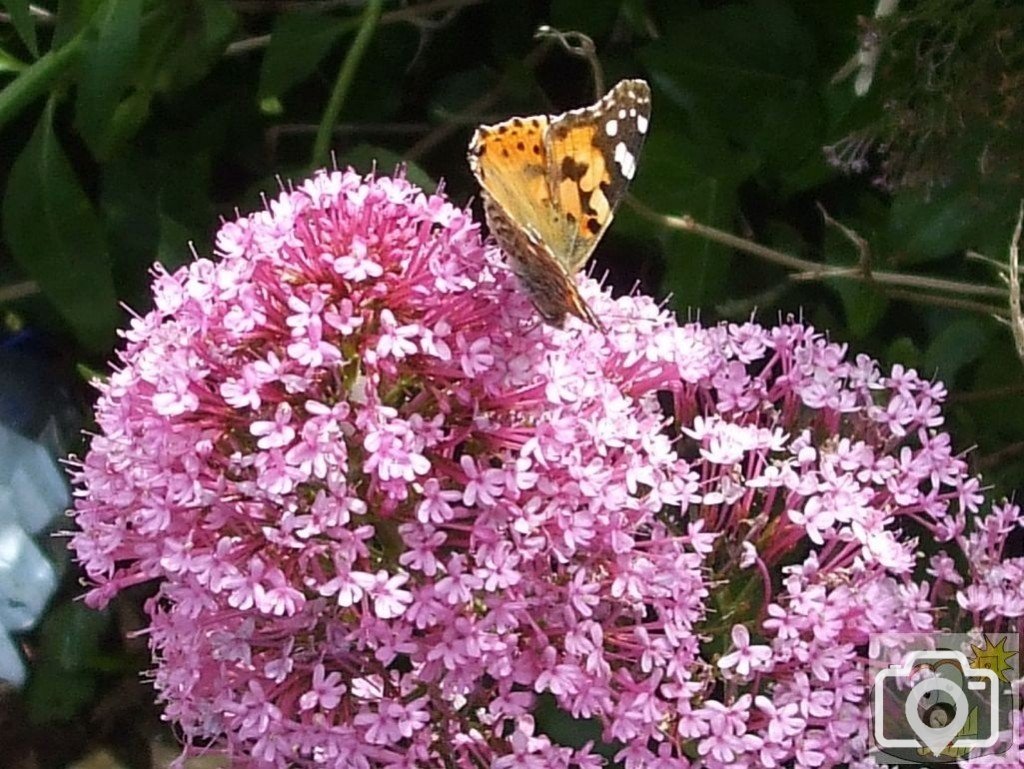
[[570, 217], [573, 170], [585, 196], [502, 128], [593, 226], [504, 153], [520, 146], [536, 149]]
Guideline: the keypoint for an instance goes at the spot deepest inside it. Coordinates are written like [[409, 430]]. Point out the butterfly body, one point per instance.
[[550, 188]]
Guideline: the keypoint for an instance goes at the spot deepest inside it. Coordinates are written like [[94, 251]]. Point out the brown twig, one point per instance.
[[806, 269], [411, 14], [997, 458], [247, 44], [952, 302], [990, 394], [275, 133], [1016, 313], [579, 45], [41, 15], [284, 6], [471, 114], [862, 246], [19, 290], [418, 12]]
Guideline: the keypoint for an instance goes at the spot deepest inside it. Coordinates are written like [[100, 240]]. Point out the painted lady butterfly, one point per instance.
[[550, 188]]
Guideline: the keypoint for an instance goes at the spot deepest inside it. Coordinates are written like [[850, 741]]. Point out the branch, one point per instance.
[[952, 302], [1016, 314], [15, 291], [1001, 457], [41, 15], [416, 12], [412, 14], [863, 247], [471, 114], [33, 82], [806, 269], [247, 44], [579, 45], [356, 51], [1014, 391]]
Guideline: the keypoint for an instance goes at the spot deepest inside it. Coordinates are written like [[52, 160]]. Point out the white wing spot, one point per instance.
[[632, 113], [622, 114], [611, 127], [641, 124], [625, 159]]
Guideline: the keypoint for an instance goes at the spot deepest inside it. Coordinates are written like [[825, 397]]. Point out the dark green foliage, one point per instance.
[[129, 127]]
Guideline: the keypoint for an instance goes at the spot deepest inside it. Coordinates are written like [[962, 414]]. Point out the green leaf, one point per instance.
[[128, 119], [73, 19], [748, 71], [70, 635], [219, 22], [903, 350], [55, 237], [592, 18], [924, 228], [55, 695], [562, 728], [956, 345], [180, 46], [388, 54], [21, 18], [64, 675], [694, 173], [107, 67], [999, 369], [864, 304], [298, 43], [172, 249], [38, 79], [9, 63], [271, 106]]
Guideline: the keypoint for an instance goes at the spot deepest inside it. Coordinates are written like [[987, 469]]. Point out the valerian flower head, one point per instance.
[[388, 511]]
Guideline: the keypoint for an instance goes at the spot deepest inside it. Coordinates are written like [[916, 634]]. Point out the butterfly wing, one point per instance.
[[592, 155], [552, 291], [510, 162], [551, 186]]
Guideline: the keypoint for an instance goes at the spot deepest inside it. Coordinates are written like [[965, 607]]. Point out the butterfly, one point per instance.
[[551, 184]]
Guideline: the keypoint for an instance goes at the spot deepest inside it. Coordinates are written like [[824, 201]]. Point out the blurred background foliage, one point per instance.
[[129, 128]]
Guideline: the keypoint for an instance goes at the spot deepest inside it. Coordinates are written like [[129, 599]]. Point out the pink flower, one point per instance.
[[325, 692], [388, 510], [389, 600], [746, 658]]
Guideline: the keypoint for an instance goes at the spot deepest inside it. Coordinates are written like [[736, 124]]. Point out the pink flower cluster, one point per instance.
[[390, 514]]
